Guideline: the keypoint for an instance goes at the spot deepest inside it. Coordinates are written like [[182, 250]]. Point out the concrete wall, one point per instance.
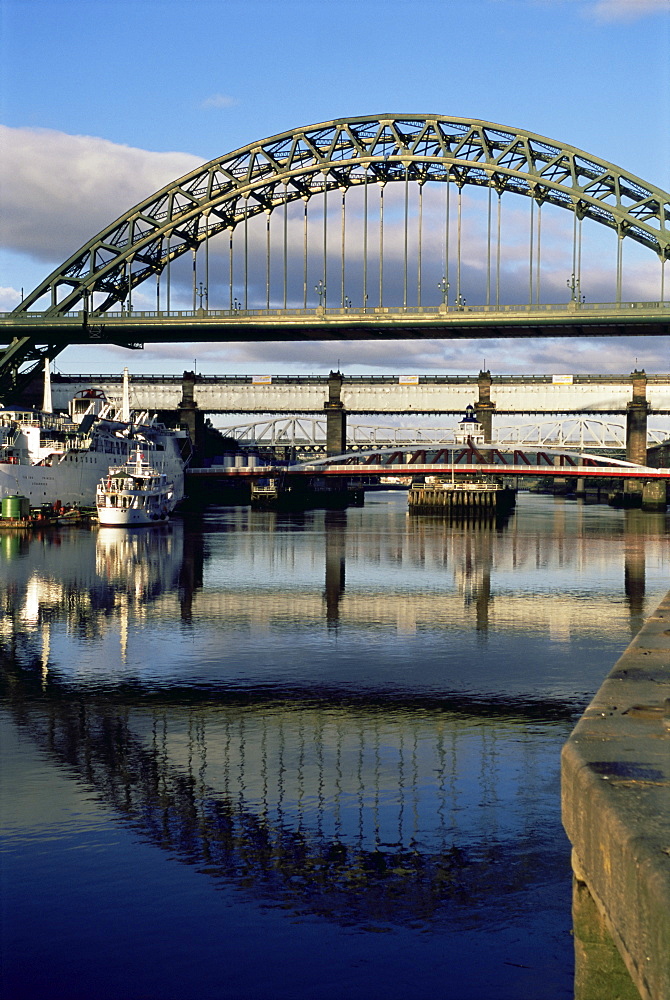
[[616, 806]]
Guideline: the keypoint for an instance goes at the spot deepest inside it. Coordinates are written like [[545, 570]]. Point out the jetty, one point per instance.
[[437, 495], [16, 514]]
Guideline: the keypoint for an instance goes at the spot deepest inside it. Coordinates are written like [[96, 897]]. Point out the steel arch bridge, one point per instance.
[[79, 301]]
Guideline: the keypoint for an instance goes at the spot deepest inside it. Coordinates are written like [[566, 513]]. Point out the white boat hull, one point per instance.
[[72, 479], [59, 458], [134, 495], [109, 517]]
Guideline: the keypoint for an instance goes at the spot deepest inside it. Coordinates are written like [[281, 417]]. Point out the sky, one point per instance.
[[102, 102]]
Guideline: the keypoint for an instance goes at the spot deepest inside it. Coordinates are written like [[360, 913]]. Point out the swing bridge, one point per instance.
[[371, 228], [463, 459]]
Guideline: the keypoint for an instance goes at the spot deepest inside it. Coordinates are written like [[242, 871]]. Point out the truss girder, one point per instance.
[[22, 360], [341, 154], [582, 432]]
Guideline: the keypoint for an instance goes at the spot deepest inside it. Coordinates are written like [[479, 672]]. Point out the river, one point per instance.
[[264, 756]]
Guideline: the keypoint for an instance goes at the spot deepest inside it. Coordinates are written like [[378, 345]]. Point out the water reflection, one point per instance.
[[141, 564], [252, 577], [336, 526], [346, 811], [354, 714], [636, 530]]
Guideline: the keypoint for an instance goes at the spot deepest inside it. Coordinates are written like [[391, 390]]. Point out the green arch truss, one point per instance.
[[335, 156]]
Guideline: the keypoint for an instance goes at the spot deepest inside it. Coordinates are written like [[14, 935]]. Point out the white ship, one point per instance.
[[134, 494], [59, 459]]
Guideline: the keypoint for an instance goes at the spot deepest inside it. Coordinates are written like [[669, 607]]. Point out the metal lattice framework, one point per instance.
[[335, 156], [480, 459], [582, 432]]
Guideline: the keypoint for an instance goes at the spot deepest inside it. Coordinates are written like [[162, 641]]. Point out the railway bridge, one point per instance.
[[337, 397]]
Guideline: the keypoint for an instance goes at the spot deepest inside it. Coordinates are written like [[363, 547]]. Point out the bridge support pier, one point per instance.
[[654, 495], [636, 428], [190, 416], [484, 407], [336, 417]]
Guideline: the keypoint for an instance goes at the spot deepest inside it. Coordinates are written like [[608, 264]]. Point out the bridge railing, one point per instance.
[[322, 311], [282, 379]]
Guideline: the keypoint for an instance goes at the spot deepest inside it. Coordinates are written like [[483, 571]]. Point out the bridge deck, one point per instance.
[[425, 394], [435, 469], [556, 320]]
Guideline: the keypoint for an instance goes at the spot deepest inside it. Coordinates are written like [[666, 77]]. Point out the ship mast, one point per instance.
[[125, 405], [47, 404]]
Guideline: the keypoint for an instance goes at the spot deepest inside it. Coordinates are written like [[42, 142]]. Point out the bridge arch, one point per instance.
[[336, 156]]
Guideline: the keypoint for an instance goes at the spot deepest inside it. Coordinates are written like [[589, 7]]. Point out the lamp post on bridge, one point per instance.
[[575, 290], [320, 290], [443, 286]]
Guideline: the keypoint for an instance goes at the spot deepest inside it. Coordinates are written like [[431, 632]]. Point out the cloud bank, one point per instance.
[[58, 190], [608, 11], [502, 357]]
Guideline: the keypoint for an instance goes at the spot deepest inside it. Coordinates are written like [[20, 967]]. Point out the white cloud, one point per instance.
[[218, 101], [9, 297], [607, 10], [58, 190], [627, 10]]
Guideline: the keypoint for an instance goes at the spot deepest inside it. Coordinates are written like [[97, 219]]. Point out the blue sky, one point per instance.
[[103, 102]]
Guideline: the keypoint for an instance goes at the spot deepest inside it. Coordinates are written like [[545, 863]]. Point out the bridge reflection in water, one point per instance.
[[353, 812], [289, 705], [263, 572]]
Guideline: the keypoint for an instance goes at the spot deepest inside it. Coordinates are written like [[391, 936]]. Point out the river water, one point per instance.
[[259, 756]]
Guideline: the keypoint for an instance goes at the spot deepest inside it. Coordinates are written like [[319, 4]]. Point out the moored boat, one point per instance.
[[59, 458], [134, 494]]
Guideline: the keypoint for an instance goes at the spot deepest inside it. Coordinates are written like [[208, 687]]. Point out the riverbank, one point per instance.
[[49, 518], [616, 810]]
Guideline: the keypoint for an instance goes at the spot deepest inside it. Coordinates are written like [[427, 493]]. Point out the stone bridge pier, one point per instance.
[[336, 416], [636, 427], [652, 495], [190, 416], [484, 407]]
